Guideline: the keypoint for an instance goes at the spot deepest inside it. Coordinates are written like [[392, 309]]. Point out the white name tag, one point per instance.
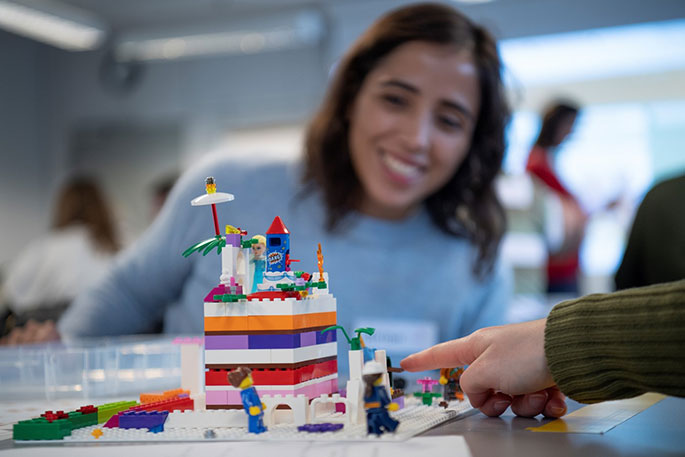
[[400, 336]]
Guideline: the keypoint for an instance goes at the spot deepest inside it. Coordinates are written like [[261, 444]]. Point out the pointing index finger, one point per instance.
[[448, 354]]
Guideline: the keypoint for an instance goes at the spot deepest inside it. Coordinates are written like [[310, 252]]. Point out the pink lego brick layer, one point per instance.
[[232, 397]]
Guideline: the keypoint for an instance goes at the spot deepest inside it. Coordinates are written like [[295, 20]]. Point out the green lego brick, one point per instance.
[[110, 409], [80, 420], [230, 298], [40, 429]]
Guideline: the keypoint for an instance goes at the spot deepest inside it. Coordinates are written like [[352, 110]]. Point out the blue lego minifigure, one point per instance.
[[241, 378], [259, 261], [376, 401]]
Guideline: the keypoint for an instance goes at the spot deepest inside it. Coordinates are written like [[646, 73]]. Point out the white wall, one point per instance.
[[24, 162]]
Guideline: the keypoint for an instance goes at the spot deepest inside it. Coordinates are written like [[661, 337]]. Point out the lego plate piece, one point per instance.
[[414, 419], [453, 445]]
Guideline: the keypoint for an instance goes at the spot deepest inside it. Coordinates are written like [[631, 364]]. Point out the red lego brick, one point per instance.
[[277, 376], [88, 409]]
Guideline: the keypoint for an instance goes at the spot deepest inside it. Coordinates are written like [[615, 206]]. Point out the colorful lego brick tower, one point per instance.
[[276, 332], [277, 246]]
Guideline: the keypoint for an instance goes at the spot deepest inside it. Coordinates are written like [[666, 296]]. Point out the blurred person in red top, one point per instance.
[[563, 259]]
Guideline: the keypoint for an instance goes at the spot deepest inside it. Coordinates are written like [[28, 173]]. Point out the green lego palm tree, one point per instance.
[[356, 342], [206, 246]]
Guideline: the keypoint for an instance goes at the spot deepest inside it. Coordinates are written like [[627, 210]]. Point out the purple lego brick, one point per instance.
[[142, 419], [233, 239], [327, 337], [307, 339], [287, 341], [319, 428], [226, 342]]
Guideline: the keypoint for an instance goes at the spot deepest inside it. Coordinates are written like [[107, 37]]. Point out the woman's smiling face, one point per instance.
[[411, 125]]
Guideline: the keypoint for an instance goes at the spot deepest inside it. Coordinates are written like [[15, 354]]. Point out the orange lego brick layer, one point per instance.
[[252, 323]]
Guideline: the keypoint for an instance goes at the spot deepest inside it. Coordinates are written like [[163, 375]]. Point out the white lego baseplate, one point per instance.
[[414, 419]]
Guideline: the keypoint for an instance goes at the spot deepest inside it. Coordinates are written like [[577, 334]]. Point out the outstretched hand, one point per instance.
[[507, 367]]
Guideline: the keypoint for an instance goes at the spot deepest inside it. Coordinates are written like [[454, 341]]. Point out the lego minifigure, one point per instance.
[[258, 260], [241, 377], [449, 378], [376, 401]]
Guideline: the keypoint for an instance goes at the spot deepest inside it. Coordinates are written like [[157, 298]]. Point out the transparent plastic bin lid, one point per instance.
[[92, 368]]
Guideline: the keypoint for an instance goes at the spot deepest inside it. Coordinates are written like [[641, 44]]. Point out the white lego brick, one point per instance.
[[261, 356], [235, 356], [298, 406], [191, 368], [219, 309], [206, 419], [215, 309], [355, 396], [199, 401], [276, 307], [229, 263], [380, 357], [356, 359], [324, 399], [305, 353], [292, 306]]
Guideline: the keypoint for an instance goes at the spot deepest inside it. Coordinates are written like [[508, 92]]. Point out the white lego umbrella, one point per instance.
[[212, 199]]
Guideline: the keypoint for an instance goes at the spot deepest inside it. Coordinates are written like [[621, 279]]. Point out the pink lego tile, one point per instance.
[[217, 397]]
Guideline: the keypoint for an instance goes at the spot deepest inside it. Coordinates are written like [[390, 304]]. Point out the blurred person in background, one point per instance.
[[160, 190], [565, 231], [397, 184], [655, 252], [50, 271]]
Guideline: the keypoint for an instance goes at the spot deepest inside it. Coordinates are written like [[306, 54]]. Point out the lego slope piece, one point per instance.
[[414, 419]]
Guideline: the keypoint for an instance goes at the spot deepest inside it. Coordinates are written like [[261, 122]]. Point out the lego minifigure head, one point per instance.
[[415, 116], [372, 375], [259, 248], [241, 378]]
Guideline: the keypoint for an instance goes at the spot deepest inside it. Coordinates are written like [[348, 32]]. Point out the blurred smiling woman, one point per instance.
[[396, 183]]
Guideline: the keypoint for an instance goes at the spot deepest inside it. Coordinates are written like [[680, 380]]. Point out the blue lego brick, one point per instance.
[[327, 337], [287, 341], [143, 419]]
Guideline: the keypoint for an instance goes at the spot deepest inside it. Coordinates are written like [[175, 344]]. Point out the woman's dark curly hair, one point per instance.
[[467, 205]]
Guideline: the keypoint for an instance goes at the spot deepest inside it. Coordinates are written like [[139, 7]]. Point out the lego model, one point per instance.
[[376, 401], [241, 378], [277, 327], [268, 350]]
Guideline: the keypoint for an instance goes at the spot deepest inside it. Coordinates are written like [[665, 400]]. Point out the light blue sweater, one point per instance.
[[405, 272]]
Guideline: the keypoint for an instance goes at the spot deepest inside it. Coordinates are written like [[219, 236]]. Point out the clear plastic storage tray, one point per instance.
[[90, 368]]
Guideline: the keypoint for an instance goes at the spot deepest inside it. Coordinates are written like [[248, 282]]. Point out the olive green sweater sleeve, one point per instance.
[[619, 345]]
